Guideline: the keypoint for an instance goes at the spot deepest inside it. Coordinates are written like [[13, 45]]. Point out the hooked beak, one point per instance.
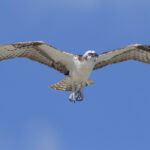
[[95, 54]]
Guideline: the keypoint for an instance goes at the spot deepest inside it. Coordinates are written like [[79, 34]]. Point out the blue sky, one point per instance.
[[115, 112]]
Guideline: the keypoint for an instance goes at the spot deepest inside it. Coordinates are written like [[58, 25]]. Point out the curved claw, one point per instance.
[[76, 96], [79, 96], [72, 100], [72, 97]]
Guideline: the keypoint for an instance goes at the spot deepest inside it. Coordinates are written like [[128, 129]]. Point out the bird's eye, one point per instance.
[[90, 54]]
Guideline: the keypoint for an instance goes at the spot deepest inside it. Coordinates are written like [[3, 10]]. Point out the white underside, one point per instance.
[[79, 77], [81, 71], [79, 74]]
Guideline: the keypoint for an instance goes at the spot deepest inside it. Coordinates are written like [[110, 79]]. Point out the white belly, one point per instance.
[[81, 71], [81, 75]]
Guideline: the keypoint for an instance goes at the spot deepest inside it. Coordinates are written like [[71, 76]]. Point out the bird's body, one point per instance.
[[77, 68], [80, 74], [81, 70]]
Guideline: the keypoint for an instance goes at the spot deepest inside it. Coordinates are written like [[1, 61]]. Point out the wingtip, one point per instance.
[[137, 44]]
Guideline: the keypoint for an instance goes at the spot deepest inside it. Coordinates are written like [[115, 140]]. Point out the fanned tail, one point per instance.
[[65, 84], [90, 82]]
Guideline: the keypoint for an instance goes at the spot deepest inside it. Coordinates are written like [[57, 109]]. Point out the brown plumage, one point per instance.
[[136, 52], [65, 84], [40, 52], [77, 67]]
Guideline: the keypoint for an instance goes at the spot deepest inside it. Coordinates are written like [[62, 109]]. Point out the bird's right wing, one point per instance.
[[136, 52], [40, 52]]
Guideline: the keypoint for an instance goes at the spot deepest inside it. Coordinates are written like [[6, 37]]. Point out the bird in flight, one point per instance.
[[77, 68]]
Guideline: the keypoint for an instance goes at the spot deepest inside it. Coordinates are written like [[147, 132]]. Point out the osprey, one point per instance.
[[77, 68]]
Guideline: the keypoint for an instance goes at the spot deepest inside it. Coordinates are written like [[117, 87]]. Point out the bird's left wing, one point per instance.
[[38, 51], [136, 52]]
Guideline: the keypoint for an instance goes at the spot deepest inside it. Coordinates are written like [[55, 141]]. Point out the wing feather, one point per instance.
[[40, 52], [136, 52]]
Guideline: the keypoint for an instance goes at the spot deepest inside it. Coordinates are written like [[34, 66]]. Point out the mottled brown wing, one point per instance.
[[136, 52], [40, 52]]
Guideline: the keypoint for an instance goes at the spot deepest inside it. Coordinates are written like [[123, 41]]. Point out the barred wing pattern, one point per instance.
[[40, 52], [136, 52]]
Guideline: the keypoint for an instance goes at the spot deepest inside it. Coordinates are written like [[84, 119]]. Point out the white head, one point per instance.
[[90, 55]]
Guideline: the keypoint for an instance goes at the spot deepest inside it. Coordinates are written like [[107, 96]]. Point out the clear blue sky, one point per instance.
[[115, 114]]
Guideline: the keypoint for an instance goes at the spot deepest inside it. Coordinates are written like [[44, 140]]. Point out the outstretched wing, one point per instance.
[[136, 52], [40, 52]]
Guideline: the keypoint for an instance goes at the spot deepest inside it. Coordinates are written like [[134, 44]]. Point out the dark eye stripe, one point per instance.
[[90, 54]]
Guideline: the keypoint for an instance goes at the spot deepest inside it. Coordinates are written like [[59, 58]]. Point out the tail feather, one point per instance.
[[90, 82], [65, 84]]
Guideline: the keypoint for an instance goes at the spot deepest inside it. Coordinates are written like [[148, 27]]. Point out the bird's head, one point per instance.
[[90, 55]]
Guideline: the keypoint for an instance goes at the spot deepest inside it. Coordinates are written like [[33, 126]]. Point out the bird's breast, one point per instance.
[[81, 71]]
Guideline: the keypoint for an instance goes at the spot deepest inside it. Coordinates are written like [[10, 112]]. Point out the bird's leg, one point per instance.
[[77, 95], [72, 96], [80, 93]]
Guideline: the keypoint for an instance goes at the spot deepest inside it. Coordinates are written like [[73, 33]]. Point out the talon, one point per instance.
[[79, 95], [76, 95], [71, 100], [72, 97], [79, 99]]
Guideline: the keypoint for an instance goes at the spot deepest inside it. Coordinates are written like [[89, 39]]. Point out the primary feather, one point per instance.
[[136, 52], [40, 52], [76, 67]]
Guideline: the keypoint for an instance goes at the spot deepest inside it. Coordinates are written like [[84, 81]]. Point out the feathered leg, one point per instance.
[[72, 96], [80, 94]]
